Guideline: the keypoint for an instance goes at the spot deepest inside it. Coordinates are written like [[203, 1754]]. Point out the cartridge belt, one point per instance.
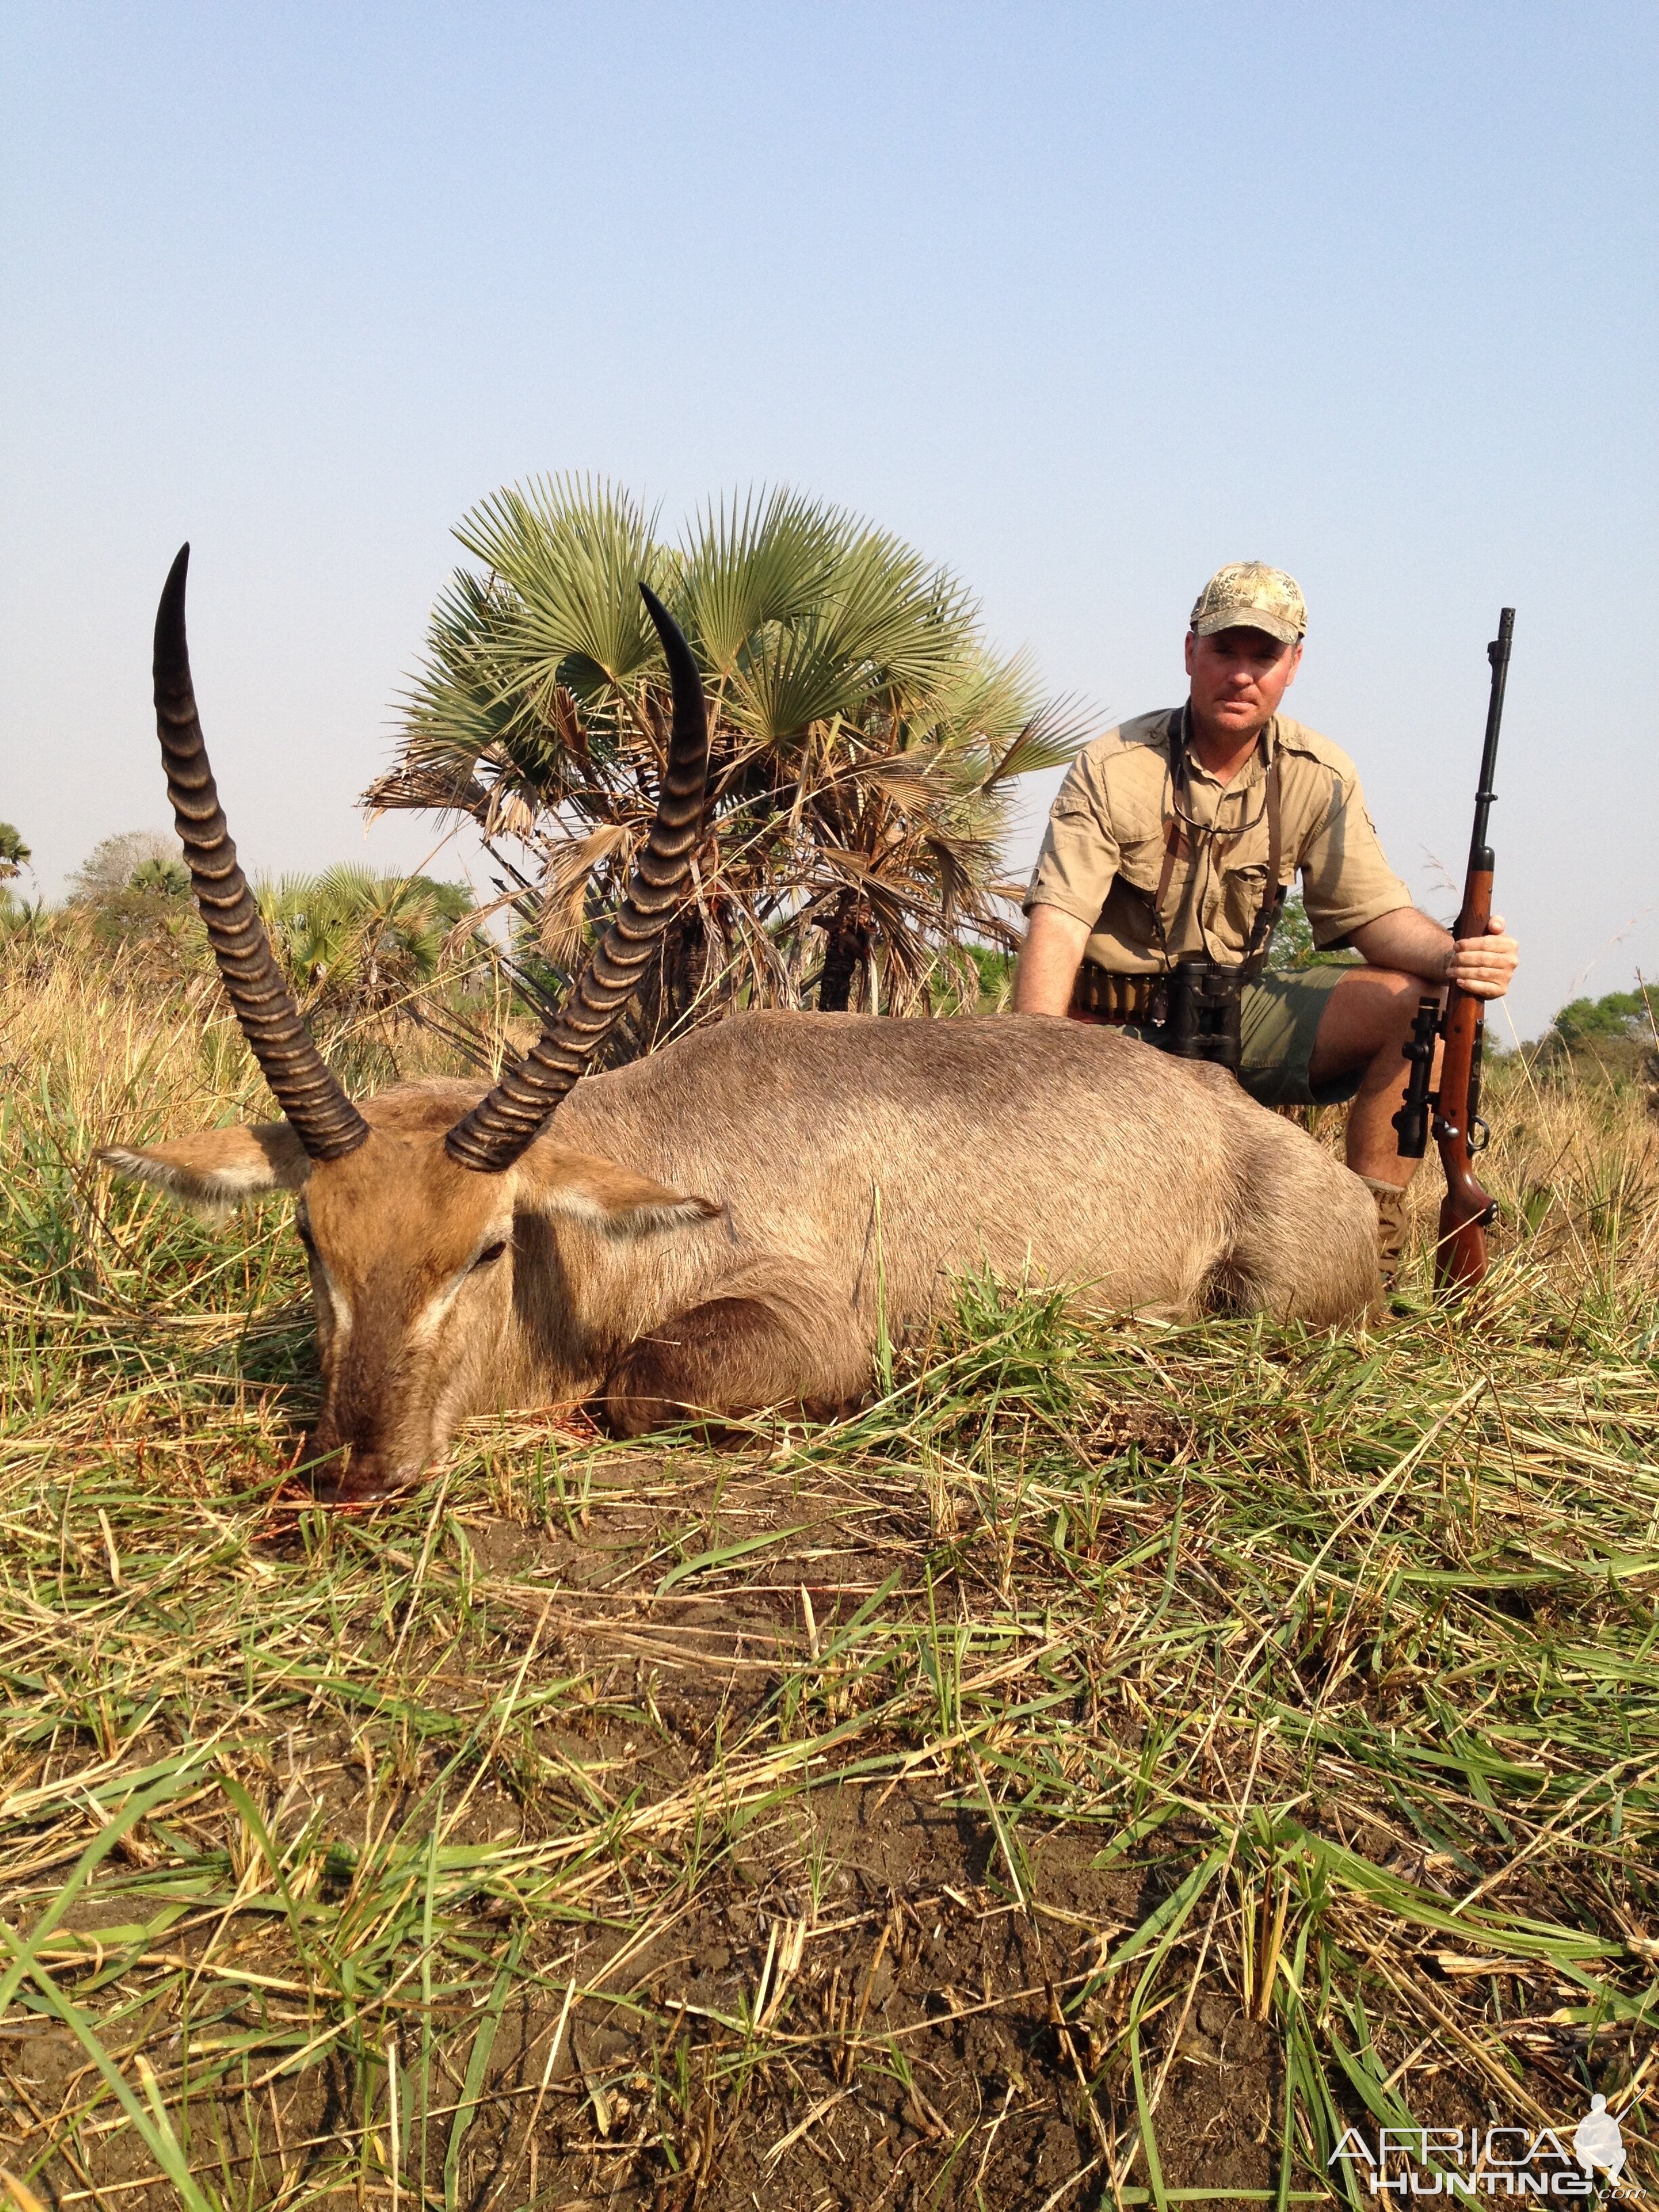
[[1098, 996]]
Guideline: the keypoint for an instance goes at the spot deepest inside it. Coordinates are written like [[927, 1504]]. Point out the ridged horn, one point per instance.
[[324, 1120], [505, 1124]]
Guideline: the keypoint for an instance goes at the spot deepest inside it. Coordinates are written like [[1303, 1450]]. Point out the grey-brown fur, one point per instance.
[[844, 1149], [713, 1227]]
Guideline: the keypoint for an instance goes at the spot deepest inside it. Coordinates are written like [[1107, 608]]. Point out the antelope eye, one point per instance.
[[490, 1253]]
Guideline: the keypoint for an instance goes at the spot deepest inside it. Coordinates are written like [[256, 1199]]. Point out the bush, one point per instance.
[[1610, 1039], [1293, 946]]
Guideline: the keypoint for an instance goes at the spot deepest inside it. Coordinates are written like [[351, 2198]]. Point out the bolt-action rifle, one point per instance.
[[1453, 1112]]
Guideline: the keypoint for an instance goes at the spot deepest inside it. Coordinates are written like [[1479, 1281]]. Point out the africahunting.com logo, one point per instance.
[[1491, 2161]]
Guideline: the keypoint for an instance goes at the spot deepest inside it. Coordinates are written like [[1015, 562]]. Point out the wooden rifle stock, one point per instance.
[[1459, 1131], [1460, 1259]]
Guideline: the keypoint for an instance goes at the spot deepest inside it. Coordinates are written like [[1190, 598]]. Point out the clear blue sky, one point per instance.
[[1085, 300]]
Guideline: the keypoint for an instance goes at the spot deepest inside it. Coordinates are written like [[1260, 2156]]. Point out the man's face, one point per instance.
[[1238, 677]]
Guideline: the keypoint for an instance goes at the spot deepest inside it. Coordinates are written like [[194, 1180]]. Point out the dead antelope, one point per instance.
[[716, 1228]]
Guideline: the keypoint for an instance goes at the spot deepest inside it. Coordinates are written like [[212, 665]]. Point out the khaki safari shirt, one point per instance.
[[1106, 834]]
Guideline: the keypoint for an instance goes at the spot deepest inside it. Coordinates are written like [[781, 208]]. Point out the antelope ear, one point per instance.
[[211, 1173], [617, 1202]]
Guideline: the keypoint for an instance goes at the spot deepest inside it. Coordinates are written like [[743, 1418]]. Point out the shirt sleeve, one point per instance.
[[1346, 881], [1079, 856]]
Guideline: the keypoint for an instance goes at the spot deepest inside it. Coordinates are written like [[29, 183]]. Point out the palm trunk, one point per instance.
[[669, 993], [847, 947]]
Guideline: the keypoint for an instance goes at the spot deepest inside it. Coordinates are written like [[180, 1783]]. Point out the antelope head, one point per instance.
[[408, 1215]]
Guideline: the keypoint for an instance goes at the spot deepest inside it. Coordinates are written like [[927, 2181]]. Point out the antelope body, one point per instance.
[[727, 1225]]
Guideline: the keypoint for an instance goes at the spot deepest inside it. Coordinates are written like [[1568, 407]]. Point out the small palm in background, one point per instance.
[[160, 878], [133, 890], [864, 740], [367, 954], [355, 943], [14, 857]]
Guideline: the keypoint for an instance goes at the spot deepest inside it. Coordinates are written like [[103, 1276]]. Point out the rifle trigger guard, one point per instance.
[[1480, 1135]]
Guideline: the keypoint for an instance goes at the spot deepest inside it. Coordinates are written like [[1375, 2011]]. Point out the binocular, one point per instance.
[[1203, 1013]]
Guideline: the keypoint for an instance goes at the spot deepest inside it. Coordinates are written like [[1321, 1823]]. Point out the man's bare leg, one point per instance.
[[1366, 1025]]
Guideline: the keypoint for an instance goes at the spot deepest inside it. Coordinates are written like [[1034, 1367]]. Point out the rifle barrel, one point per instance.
[[1497, 652]]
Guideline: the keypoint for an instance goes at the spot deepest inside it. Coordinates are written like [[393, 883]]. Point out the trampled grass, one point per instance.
[[1114, 1767]]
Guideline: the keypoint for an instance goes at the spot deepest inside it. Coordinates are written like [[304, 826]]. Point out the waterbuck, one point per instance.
[[724, 1226]]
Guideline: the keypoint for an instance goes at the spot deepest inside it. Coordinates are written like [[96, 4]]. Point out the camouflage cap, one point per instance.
[[1249, 595]]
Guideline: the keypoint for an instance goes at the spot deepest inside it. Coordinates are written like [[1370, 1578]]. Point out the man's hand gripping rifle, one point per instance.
[[1453, 1112]]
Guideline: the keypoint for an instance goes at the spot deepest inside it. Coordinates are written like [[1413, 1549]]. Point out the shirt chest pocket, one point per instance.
[[1140, 860], [1244, 890]]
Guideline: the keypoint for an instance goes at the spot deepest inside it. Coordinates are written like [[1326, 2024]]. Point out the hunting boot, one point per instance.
[[1390, 1226]]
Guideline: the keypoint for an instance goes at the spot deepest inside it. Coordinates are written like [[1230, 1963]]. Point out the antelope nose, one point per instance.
[[361, 1480], [347, 1474]]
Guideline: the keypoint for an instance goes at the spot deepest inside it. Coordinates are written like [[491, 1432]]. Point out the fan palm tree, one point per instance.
[[865, 739], [354, 942]]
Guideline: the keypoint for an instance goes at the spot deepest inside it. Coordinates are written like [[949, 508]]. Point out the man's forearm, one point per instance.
[[1049, 961], [1409, 940]]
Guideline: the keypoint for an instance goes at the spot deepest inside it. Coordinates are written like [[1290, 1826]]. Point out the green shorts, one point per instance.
[[1280, 1019]]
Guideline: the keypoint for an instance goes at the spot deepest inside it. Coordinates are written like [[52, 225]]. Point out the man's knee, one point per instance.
[[1390, 986], [1369, 1017]]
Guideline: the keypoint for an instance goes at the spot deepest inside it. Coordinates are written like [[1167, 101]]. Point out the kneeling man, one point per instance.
[[1173, 841]]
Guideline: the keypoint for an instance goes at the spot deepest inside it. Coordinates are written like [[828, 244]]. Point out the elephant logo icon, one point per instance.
[[1596, 2140]]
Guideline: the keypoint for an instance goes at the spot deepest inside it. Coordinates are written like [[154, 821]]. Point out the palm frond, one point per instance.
[[905, 621], [1053, 736], [573, 552], [790, 678], [562, 896], [768, 561]]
